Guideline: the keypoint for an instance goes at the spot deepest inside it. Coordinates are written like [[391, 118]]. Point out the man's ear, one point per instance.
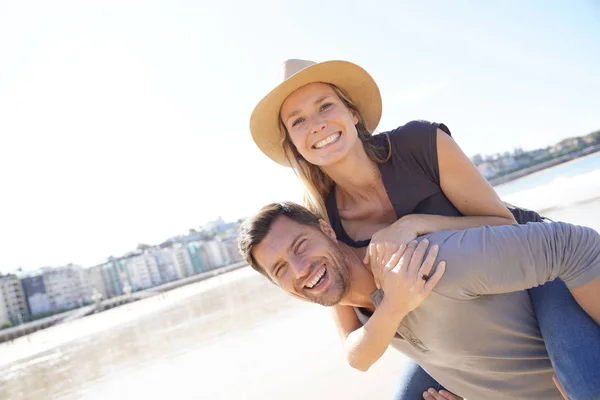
[[327, 230]]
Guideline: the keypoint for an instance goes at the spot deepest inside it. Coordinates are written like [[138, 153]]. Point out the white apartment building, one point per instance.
[[213, 253], [166, 263], [183, 262], [96, 281], [67, 287], [13, 308], [230, 249], [142, 271]]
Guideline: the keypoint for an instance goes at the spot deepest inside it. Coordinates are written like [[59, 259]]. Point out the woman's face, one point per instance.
[[320, 125]]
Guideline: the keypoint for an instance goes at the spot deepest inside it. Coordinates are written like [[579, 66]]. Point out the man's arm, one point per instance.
[[502, 259]]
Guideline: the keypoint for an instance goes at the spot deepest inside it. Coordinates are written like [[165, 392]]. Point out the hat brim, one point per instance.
[[354, 80]]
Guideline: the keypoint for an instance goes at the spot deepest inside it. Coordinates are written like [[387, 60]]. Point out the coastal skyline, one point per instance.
[[128, 122]]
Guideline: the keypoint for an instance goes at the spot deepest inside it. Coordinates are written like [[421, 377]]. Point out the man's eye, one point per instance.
[[301, 246], [279, 271]]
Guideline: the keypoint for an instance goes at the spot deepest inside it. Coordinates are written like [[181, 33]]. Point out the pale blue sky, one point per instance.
[[127, 122]]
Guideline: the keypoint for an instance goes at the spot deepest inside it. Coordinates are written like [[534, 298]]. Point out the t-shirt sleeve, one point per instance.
[[415, 145], [503, 259]]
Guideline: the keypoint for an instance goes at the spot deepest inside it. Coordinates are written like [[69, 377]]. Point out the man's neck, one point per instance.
[[362, 284]]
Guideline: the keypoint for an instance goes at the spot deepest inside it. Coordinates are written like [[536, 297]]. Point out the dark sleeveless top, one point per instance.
[[411, 178]]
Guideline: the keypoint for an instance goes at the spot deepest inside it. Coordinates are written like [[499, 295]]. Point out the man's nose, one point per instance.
[[300, 268]]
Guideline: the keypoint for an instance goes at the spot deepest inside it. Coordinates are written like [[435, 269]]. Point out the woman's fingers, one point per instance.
[[417, 258], [435, 278], [433, 394], [559, 387], [427, 265], [404, 262], [394, 259], [368, 253]]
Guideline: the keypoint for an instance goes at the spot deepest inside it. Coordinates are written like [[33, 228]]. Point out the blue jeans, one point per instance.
[[572, 339]]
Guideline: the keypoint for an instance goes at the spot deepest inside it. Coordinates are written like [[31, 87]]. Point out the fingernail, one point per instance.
[[431, 391], [435, 247], [425, 241]]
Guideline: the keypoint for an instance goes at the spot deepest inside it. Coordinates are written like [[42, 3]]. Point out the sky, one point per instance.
[[126, 122]]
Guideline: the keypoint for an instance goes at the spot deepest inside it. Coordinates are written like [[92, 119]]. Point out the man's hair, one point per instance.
[[255, 228]]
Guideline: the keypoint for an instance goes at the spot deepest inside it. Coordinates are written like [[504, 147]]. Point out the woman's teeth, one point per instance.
[[327, 140]]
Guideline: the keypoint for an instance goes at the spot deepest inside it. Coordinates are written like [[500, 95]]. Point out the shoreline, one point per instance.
[[513, 176], [38, 343], [29, 328]]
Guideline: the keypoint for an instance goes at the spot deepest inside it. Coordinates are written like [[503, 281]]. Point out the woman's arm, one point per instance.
[[365, 344], [404, 292], [466, 188]]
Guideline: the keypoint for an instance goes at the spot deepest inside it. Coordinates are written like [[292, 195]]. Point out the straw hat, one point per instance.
[[355, 81]]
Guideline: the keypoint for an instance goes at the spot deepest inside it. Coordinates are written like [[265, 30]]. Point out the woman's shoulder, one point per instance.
[[414, 148], [416, 140], [418, 131]]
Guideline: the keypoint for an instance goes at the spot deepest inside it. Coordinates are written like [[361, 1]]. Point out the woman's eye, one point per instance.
[[325, 106], [297, 121]]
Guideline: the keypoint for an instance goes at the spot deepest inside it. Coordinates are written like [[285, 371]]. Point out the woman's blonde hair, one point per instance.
[[317, 184]]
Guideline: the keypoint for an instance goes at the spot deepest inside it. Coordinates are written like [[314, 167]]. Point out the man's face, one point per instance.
[[304, 261]]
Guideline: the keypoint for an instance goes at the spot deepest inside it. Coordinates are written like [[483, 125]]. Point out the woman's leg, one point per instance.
[[414, 381], [572, 339]]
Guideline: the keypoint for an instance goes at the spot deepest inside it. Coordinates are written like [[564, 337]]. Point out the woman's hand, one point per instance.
[[559, 387], [433, 394], [406, 281], [386, 242]]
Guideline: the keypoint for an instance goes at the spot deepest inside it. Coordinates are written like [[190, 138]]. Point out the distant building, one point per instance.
[[143, 271], [538, 154], [13, 307], [66, 287], [213, 254], [589, 139], [36, 296], [116, 276], [96, 278], [198, 264], [183, 261], [569, 143], [166, 264], [231, 251]]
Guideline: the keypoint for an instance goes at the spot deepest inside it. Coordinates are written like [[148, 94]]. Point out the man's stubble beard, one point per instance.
[[339, 276]]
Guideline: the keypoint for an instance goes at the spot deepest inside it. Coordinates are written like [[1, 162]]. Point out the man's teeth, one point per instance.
[[316, 279], [327, 140]]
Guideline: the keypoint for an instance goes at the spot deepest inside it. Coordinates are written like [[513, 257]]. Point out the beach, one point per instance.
[[237, 336]]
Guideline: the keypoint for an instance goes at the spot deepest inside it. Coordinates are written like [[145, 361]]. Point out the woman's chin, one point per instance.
[[325, 159]]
